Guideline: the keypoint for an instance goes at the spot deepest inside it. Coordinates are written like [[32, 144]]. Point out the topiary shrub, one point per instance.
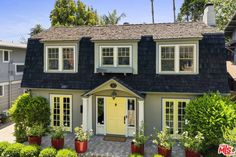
[[3, 146], [28, 111], [13, 150], [135, 155], [29, 151], [210, 114], [48, 152], [66, 153]]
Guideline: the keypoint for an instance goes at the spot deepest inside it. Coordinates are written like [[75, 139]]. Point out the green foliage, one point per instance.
[[57, 133], [81, 135], [193, 9], [28, 111], [112, 18], [193, 143], [158, 155], [3, 146], [139, 137], [68, 13], [66, 153], [48, 152], [211, 115], [29, 151], [230, 137], [37, 29], [135, 155], [163, 138], [35, 130], [13, 150]]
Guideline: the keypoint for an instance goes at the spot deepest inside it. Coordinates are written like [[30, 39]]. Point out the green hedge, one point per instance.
[[30, 151], [3, 146], [48, 152], [13, 150], [66, 153]]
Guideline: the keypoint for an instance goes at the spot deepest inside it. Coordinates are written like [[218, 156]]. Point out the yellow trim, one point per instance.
[[61, 110]]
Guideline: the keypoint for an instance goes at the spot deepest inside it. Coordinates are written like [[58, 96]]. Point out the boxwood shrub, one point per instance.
[[66, 153], [13, 150], [30, 151], [3, 146], [210, 114], [48, 152]]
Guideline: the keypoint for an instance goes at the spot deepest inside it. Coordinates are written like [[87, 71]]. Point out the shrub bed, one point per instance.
[[66, 153], [13, 150], [3, 146], [48, 152], [30, 151]]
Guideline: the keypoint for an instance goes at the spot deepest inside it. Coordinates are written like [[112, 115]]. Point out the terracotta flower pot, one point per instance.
[[57, 143], [81, 147], [137, 149], [190, 153], [164, 151], [35, 140]]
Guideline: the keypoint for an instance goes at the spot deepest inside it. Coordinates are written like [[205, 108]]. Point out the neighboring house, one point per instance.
[[111, 78], [230, 33], [12, 59]]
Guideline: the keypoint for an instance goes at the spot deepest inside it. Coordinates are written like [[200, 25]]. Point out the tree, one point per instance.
[[112, 18], [192, 10], [64, 13], [36, 29]]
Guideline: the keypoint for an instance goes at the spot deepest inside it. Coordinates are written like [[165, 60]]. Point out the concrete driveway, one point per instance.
[[6, 133]]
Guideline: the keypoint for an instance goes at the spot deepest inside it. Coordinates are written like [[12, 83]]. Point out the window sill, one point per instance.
[[114, 70]]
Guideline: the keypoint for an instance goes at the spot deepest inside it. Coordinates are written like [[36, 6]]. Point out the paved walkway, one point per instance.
[[97, 146]]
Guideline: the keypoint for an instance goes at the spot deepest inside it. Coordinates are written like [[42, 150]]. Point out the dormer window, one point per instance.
[[60, 59], [115, 56]]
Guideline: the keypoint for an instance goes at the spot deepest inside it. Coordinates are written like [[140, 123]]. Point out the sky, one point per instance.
[[19, 16]]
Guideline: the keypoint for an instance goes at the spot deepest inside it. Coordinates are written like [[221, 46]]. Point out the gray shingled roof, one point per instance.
[[12, 45], [128, 32]]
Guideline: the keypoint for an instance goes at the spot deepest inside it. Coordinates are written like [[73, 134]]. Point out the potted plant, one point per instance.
[[81, 139], [137, 144], [57, 138], [35, 134], [164, 143], [192, 144]]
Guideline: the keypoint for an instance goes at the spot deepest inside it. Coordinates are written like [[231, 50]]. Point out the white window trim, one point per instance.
[[18, 73], [3, 56], [163, 111], [60, 63], [2, 90], [177, 59], [115, 56]]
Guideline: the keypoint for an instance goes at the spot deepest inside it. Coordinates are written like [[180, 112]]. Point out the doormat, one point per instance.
[[114, 138]]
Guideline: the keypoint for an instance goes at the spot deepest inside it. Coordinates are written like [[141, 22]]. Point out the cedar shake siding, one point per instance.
[[212, 69]]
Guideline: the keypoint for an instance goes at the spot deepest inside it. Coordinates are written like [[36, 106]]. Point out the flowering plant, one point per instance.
[[57, 133], [139, 137], [81, 135], [193, 143], [164, 139], [35, 130]]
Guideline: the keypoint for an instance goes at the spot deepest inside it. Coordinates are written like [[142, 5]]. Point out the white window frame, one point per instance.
[[60, 60], [18, 73], [3, 56], [177, 59], [2, 85], [115, 56]]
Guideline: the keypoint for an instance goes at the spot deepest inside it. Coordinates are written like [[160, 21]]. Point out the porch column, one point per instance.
[[85, 114], [89, 126], [141, 112]]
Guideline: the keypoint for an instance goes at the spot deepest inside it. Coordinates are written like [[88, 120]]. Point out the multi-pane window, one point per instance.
[[19, 68], [173, 114], [100, 111], [108, 56], [60, 59], [123, 56], [186, 58], [115, 56], [68, 58], [168, 58], [53, 59], [6, 56], [178, 58], [131, 113], [1, 90]]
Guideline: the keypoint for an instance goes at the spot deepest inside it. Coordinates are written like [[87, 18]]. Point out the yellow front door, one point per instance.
[[115, 115]]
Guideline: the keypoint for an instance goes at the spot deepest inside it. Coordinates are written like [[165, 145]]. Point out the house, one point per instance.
[[230, 33], [12, 59], [112, 78]]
